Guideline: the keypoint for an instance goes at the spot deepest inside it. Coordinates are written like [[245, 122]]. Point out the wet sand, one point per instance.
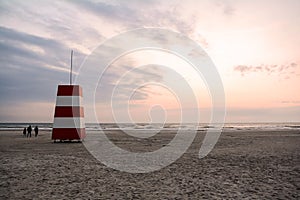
[[243, 165]]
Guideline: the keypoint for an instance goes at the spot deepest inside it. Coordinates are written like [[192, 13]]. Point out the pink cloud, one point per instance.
[[270, 69]]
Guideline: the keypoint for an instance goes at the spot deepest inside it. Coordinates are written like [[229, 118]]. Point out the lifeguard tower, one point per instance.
[[68, 122]]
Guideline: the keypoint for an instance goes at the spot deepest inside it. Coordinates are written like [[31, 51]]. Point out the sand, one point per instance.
[[243, 165]]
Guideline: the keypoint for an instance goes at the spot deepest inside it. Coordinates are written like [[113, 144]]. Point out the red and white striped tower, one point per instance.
[[69, 114]]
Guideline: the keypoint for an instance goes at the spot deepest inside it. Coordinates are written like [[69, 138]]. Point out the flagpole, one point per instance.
[[71, 67]]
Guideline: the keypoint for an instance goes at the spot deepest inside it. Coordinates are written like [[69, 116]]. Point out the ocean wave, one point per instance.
[[158, 126]]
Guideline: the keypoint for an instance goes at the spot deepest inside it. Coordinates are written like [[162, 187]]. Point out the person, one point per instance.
[[36, 131], [29, 129], [24, 132]]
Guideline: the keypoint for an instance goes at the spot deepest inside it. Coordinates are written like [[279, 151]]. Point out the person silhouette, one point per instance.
[[24, 132], [29, 129], [36, 131]]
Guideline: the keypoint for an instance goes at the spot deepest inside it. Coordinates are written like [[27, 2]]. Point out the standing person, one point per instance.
[[24, 132], [29, 129], [36, 131]]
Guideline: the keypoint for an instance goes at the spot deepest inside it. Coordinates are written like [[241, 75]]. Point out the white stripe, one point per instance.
[[68, 101], [68, 122]]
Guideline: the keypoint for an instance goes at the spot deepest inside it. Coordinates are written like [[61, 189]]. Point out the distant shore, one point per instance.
[[244, 164]]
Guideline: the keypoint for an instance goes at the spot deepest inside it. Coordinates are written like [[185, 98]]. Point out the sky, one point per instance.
[[254, 45]]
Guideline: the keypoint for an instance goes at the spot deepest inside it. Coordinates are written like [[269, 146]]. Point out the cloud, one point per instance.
[[290, 102], [226, 6], [270, 69], [123, 80], [31, 66], [136, 14], [59, 21], [117, 12], [24, 46]]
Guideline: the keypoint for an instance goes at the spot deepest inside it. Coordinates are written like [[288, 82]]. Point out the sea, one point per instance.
[[167, 126]]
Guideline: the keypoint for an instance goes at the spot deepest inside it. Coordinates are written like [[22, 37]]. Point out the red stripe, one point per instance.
[[69, 90], [69, 111], [68, 133]]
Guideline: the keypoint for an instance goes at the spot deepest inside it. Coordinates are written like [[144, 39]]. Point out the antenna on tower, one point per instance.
[[71, 67]]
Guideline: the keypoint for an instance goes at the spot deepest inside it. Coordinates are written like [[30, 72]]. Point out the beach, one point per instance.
[[254, 164]]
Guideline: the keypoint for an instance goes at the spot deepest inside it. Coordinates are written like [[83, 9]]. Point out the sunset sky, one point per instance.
[[254, 44]]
